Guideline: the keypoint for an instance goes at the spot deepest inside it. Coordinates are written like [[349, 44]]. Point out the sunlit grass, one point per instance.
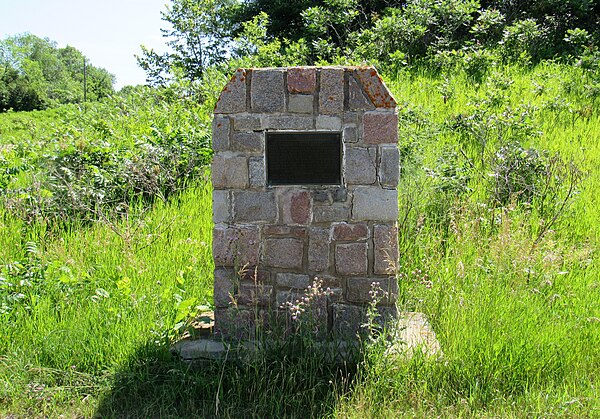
[[518, 318]]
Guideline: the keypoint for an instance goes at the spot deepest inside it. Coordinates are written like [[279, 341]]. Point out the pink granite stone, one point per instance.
[[301, 79], [375, 88], [380, 127], [350, 232], [351, 259]]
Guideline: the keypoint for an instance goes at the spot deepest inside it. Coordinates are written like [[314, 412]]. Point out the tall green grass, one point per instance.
[[516, 312], [518, 321], [106, 291]]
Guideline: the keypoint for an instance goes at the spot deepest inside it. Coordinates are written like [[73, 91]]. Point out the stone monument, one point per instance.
[[305, 174]]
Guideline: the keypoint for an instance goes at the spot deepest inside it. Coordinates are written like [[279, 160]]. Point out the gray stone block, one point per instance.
[[257, 172], [283, 253], [368, 290], [318, 249], [350, 134], [221, 205], [329, 123], [250, 142], [329, 213], [331, 94], [267, 91], [233, 96], [347, 321], [288, 122], [290, 280], [301, 104], [254, 206], [351, 118], [229, 171], [351, 259], [223, 287], [254, 294], [357, 100], [246, 122], [221, 126], [389, 167], [234, 246], [374, 203], [361, 165]]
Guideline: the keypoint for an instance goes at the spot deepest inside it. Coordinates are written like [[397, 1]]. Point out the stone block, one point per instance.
[[374, 87], [334, 283], [290, 280], [301, 104], [254, 206], [351, 118], [250, 142], [380, 127], [389, 167], [235, 323], [321, 195], [368, 290], [284, 230], [288, 122], [295, 206], [361, 165], [385, 249], [254, 294], [318, 249], [331, 94], [283, 253], [329, 213], [350, 134], [351, 259], [224, 287], [357, 100], [374, 203], [267, 91], [246, 122], [220, 133], [235, 246], [221, 205], [301, 79], [254, 275], [256, 166], [229, 171], [350, 232], [329, 123], [233, 96], [340, 194], [347, 321]]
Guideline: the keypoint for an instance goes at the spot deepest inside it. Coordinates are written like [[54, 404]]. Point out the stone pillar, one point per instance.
[[271, 242]]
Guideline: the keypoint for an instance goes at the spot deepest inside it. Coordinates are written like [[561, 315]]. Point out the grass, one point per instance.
[[516, 313]]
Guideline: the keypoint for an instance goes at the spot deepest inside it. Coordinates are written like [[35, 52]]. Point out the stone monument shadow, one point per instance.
[[279, 383]]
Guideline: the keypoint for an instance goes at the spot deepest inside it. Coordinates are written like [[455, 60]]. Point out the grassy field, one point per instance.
[[499, 228]]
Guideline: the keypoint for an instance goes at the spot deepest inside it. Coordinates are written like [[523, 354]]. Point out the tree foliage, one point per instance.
[[198, 36], [36, 74], [386, 33]]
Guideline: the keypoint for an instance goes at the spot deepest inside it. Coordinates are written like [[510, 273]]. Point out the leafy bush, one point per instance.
[[517, 173], [99, 160]]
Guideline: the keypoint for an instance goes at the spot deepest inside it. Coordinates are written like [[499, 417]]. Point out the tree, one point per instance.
[[199, 36], [36, 74]]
